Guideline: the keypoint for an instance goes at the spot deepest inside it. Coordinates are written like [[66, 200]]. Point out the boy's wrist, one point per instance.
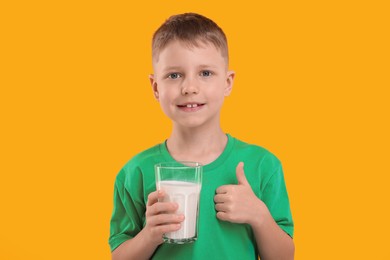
[[149, 239], [260, 217]]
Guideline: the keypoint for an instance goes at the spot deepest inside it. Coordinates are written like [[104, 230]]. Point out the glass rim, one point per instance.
[[178, 165]]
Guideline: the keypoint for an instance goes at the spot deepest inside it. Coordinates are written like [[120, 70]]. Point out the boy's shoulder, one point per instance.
[[256, 151], [145, 157], [146, 154], [253, 148]]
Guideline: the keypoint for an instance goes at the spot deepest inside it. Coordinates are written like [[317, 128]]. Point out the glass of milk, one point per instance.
[[181, 182]]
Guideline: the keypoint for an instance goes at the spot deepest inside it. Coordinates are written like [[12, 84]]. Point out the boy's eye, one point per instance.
[[174, 75], [205, 73]]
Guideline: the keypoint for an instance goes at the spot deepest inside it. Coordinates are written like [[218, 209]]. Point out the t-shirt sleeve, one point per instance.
[[276, 198], [125, 221]]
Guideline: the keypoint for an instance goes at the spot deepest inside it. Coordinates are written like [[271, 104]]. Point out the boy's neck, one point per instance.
[[199, 146]]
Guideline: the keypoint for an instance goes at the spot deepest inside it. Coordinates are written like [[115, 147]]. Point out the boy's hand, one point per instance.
[[160, 217], [238, 203]]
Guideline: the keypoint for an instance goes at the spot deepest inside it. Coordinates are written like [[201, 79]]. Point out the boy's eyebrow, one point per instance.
[[205, 66], [175, 68], [172, 68]]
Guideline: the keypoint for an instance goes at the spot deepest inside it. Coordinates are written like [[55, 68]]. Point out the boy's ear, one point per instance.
[[153, 83], [229, 82]]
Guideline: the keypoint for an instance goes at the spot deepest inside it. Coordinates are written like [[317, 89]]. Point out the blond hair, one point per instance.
[[191, 29]]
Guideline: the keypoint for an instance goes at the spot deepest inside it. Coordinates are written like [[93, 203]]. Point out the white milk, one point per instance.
[[186, 195]]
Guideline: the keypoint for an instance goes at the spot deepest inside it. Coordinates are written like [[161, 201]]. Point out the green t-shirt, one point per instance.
[[217, 239]]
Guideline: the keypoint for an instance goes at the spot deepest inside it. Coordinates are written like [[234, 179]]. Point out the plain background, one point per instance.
[[312, 81]]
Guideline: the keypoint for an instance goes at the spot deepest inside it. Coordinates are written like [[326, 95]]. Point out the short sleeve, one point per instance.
[[125, 221], [276, 198]]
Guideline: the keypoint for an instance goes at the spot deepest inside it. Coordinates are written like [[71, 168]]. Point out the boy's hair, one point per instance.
[[191, 29]]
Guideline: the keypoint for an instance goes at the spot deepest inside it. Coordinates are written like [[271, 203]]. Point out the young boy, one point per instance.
[[242, 215]]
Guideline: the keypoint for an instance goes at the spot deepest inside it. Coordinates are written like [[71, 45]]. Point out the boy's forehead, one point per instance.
[[176, 46]]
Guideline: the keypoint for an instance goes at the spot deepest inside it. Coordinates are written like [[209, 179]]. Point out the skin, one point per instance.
[[239, 204], [186, 76]]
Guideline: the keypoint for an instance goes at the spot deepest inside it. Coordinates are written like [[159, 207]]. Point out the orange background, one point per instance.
[[312, 80]]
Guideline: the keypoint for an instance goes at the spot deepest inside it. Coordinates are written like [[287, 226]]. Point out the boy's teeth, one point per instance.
[[192, 105]]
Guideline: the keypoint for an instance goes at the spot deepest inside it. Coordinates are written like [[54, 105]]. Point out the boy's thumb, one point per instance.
[[241, 178]]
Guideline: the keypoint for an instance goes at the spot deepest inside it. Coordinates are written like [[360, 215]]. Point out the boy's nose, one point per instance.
[[189, 87]]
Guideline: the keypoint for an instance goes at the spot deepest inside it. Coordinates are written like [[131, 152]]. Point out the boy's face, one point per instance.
[[191, 83]]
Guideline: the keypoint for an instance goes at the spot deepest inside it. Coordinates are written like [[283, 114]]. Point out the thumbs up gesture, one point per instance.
[[238, 203]]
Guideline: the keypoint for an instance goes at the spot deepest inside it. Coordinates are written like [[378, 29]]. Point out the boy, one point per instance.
[[242, 215]]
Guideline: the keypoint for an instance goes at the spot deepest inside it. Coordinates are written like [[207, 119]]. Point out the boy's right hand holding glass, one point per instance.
[[161, 217]]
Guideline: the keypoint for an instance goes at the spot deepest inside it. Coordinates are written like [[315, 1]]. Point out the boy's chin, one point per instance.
[[192, 121], [189, 123]]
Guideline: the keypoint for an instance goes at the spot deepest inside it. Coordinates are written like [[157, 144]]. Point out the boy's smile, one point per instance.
[[191, 82], [191, 107]]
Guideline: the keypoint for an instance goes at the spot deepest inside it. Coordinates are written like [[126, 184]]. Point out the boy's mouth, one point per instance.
[[191, 106]]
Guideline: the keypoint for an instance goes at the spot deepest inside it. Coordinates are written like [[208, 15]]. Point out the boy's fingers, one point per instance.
[[241, 178], [162, 207], [167, 228], [222, 207], [164, 219], [221, 198], [223, 189], [222, 216], [154, 196]]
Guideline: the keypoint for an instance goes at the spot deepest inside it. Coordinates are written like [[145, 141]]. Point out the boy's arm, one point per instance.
[[238, 204], [139, 247], [272, 241], [160, 219]]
